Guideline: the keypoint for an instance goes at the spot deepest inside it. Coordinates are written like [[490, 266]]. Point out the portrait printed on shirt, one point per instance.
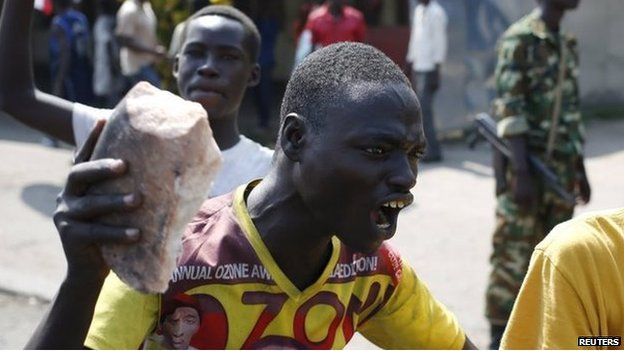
[[180, 320]]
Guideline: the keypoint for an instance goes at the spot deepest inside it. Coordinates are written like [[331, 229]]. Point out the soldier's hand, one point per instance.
[[583, 190], [524, 191], [76, 211]]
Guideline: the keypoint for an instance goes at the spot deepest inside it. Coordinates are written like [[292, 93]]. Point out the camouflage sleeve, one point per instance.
[[511, 87], [571, 106]]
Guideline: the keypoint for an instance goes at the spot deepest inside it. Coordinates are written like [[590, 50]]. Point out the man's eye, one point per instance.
[[416, 153], [193, 52], [230, 57], [375, 150]]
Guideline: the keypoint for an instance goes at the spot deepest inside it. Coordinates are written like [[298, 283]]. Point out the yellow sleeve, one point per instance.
[[123, 317], [548, 313], [413, 319]]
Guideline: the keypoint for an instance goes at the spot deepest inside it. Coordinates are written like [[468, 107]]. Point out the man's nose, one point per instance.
[[209, 68], [403, 176]]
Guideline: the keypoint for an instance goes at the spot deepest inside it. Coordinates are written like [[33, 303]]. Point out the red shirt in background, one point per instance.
[[326, 29]]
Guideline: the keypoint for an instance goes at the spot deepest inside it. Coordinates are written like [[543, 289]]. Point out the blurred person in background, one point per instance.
[[425, 55], [70, 56], [136, 34], [330, 23], [269, 17], [538, 112], [107, 79], [302, 18]]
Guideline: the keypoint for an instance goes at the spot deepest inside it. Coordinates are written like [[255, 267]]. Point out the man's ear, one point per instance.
[[293, 136], [176, 66], [254, 77]]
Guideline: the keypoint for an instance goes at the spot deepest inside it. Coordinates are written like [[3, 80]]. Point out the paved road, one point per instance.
[[445, 235]]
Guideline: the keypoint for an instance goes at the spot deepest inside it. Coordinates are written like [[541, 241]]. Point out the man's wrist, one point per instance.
[[76, 277]]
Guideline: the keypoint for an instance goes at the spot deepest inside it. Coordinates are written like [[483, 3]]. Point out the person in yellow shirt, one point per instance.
[[574, 287]]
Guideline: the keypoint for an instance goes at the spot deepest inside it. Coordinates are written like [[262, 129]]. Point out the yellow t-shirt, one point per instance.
[[574, 286], [244, 300]]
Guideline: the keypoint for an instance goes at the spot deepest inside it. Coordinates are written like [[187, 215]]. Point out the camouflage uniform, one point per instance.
[[526, 80]]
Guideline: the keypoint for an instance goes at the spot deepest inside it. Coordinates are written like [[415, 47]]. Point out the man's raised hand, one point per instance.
[[77, 212]]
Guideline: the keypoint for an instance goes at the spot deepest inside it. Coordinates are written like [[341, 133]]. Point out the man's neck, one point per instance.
[[225, 131], [297, 243], [552, 17]]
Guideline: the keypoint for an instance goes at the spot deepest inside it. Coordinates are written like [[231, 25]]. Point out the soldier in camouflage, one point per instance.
[[538, 112]]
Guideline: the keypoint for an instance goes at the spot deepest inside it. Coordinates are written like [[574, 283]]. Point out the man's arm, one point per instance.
[[510, 108], [523, 187], [413, 319], [125, 35], [18, 95], [583, 188], [136, 45], [67, 322]]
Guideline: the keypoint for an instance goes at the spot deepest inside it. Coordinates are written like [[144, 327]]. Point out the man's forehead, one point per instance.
[[388, 95], [369, 109], [217, 25]]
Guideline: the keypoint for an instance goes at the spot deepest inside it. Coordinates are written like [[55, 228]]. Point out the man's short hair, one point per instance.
[[252, 35], [320, 80]]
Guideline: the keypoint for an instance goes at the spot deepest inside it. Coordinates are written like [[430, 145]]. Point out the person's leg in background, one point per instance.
[[425, 91], [514, 239]]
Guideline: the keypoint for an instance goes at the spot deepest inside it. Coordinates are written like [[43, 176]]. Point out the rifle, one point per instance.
[[486, 126]]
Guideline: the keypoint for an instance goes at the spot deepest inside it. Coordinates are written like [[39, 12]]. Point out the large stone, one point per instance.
[[172, 159]]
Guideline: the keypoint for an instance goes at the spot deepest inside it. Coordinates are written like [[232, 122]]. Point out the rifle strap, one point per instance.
[[556, 112]]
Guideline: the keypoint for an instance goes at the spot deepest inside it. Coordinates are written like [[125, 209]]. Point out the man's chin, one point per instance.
[[367, 247]]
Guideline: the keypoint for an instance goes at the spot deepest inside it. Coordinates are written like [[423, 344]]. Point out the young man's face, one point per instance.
[[180, 326], [214, 67], [355, 175]]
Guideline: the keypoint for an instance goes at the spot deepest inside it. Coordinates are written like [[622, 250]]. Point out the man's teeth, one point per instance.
[[394, 204], [383, 226]]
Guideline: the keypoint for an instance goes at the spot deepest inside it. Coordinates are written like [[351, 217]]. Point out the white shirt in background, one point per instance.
[[136, 19], [243, 162], [428, 40]]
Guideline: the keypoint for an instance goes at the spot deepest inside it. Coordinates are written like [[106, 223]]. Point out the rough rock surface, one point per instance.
[[172, 159]]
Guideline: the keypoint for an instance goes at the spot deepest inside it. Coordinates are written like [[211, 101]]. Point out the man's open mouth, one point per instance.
[[386, 215]]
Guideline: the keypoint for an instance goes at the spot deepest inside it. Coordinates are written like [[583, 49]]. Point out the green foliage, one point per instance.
[[169, 14]]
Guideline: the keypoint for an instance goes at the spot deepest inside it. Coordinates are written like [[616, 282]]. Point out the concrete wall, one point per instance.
[[474, 28], [600, 29]]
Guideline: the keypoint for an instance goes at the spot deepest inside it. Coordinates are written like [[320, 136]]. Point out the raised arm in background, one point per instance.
[[18, 95]]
